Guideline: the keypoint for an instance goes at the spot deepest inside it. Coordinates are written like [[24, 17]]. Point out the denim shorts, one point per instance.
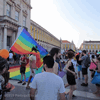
[[79, 68]]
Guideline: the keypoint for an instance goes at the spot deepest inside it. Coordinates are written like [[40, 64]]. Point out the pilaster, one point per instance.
[[5, 38]]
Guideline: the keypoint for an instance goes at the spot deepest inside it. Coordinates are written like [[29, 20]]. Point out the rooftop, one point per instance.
[[91, 41], [65, 41]]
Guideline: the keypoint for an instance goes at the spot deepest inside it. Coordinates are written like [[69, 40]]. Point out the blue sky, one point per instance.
[[76, 20]]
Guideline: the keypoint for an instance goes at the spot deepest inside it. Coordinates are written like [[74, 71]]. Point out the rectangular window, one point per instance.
[[8, 10], [8, 40], [17, 15], [24, 21]]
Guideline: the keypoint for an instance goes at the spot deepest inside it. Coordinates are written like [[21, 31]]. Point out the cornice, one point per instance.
[[27, 4], [43, 29]]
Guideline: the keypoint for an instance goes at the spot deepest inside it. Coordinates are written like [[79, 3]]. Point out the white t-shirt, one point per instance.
[[32, 57], [48, 86], [10, 55]]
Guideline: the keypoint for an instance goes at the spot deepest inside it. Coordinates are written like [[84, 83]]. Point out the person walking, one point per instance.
[[48, 84], [55, 52], [14, 57], [32, 64], [98, 70], [71, 75], [23, 68], [84, 68]]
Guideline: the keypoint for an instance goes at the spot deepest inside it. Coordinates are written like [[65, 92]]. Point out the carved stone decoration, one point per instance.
[[18, 8], [25, 13], [18, 5], [12, 1]]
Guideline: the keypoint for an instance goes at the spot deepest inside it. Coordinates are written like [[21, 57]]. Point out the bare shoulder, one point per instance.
[[69, 62]]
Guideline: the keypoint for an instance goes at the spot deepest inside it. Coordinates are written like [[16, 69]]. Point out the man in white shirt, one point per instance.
[[47, 84]]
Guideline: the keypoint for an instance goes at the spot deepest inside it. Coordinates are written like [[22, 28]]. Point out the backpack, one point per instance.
[[87, 62]]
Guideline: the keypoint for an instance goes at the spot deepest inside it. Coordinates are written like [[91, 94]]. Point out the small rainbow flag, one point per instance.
[[23, 45]]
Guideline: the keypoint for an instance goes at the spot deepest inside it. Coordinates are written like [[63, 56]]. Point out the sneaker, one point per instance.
[[83, 84], [24, 83], [28, 87], [66, 96], [73, 96], [20, 82], [79, 78]]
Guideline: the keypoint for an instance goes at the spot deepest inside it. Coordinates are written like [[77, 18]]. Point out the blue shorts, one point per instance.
[[79, 68]]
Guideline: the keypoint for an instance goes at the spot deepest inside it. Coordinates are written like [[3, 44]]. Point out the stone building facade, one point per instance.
[[43, 37], [66, 45], [90, 46], [13, 14]]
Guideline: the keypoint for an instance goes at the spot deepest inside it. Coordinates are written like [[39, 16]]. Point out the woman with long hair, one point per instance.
[[71, 75]]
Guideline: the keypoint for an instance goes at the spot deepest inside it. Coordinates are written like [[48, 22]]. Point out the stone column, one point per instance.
[[5, 38], [0, 38]]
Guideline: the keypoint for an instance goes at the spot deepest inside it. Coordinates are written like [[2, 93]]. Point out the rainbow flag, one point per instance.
[[23, 45]]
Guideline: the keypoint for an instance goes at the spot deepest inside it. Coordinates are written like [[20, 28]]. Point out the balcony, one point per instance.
[[9, 19]]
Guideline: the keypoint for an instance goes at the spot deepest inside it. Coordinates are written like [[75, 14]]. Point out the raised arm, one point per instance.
[[80, 57]]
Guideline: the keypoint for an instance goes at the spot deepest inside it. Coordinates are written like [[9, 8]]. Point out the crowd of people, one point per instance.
[[13, 58], [84, 62], [48, 83]]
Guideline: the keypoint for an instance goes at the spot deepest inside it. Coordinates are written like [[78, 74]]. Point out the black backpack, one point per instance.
[[87, 62]]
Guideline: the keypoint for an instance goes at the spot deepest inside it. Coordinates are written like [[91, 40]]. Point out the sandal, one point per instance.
[[28, 87], [24, 83], [20, 82]]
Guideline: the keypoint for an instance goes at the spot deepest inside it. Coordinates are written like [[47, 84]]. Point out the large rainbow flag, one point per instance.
[[23, 45]]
